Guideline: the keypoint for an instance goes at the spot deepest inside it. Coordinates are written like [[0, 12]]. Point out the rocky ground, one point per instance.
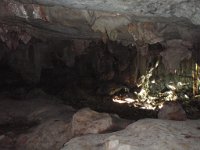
[[27, 123], [146, 134], [42, 122]]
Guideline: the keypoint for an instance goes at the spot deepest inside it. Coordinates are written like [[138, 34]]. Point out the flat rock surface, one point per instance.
[[146, 134]]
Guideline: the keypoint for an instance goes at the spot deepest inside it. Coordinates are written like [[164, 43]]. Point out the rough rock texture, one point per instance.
[[146, 134], [173, 111], [170, 8], [27, 61], [87, 121], [38, 123], [152, 20], [135, 22], [176, 51], [48, 136]]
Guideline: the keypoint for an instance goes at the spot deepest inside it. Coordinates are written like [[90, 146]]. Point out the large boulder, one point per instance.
[[34, 123], [87, 121], [173, 111], [146, 134], [49, 135]]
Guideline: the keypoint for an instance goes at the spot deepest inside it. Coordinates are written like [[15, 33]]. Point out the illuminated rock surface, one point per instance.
[[146, 134], [87, 121]]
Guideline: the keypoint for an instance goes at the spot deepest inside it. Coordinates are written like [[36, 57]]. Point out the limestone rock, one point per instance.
[[173, 111], [87, 121], [51, 128], [176, 51], [153, 8], [146, 134], [50, 135], [103, 64], [121, 55], [75, 48], [48, 18]]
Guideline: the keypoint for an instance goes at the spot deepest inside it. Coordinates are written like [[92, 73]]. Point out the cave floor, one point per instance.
[[124, 110], [19, 114]]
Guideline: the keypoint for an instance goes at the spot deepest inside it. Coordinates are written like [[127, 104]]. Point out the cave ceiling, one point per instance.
[[126, 21]]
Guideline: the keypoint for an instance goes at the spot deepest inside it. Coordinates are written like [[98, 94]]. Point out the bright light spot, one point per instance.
[[149, 107], [146, 104], [118, 101], [142, 93], [129, 100], [157, 63], [180, 84], [123, 100], [170, 95], [187, 97], [197, 96], [171, 87], [152, 98], [160, 105]]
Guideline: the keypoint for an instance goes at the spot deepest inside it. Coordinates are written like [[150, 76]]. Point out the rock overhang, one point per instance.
[[120, 20]]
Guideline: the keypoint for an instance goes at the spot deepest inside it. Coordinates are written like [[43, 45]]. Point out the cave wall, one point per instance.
[[94, 61], [103, 40], [124, 21]]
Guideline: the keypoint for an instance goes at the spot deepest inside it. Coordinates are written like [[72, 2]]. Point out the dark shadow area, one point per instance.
[[87, 75]]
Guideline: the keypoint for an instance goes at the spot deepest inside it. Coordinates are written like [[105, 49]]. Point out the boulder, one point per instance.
[[146, 134], [87, 121], [34, 124], [50, 135], [172, 110]]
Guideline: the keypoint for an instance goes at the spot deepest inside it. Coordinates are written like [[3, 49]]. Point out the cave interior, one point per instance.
[[111, 60]]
